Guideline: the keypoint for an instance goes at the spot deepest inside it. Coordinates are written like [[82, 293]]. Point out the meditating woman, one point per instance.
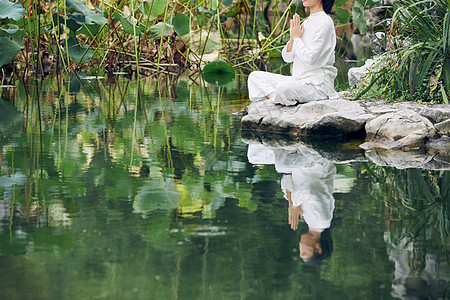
[[311, 49]]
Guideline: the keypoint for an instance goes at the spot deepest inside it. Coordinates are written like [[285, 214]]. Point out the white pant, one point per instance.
[[288, 91]]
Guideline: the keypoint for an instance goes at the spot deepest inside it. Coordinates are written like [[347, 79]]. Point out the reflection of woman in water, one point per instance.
[[307, 184]]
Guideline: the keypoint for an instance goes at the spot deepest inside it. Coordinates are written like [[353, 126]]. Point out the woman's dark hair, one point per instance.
[[327, 5], [326, 244]]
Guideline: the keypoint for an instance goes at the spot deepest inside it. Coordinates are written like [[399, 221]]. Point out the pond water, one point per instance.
[[125, 189]]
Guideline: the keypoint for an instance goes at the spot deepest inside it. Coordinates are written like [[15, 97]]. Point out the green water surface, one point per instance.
[[125, 189]]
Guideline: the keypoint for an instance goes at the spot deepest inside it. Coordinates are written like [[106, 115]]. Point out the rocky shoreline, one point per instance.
[[402, 134]]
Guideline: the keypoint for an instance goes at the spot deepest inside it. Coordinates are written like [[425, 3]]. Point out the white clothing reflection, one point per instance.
[[307, 184]]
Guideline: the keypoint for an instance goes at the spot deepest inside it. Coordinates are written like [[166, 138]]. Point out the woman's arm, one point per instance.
[[296, 31], [312, 51]]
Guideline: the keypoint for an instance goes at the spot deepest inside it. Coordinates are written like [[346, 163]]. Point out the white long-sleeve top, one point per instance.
[[313, 54]]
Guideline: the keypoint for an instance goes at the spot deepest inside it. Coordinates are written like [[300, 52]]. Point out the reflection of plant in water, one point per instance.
[[69, 134], [418, 219], [412, 194]]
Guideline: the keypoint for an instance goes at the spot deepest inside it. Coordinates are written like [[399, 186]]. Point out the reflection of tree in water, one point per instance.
[[418, 226]]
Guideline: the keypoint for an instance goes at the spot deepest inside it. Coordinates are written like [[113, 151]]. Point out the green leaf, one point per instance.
[[218, 72], [214, 4], [233, 12], [181, 24], [77, 51], [446, 73], [10, 10], [92, 24], [444, 95], [127, 25], [340, 2], [98, 19], [161, 29], [89, 30], [202, 20], [11, 30], [75, 21], [155, 7], [8, 50], [77, 6], [367, 3], [358, 19], [343, 16]]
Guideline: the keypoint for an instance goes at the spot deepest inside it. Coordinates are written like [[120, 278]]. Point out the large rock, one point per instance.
[[357, 74], [409, 159], [399, 130], [339, 117], [436, 113]]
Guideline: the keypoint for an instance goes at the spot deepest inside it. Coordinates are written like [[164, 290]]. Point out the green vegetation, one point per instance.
[[105, 36], [417, 65]]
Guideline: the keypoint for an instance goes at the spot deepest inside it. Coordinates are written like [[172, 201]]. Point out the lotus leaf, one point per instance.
[[11, 30], [127, 25], [10, 10], [358, 19], [8, 50], [161, 29], [343, 15], [89, 30], [77, 6], [98, 19], [155, 7], [78, 52], [181, 24], [75, 21], [218, 72]]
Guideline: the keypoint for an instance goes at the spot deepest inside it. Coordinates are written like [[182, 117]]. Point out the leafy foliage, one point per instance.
[[218, 72], [77, 51], [417, 67], [111, 29], [8, 50], [181, 24], [10, 10], [127, 25]]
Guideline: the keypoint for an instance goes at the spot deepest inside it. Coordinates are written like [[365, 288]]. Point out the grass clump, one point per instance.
[[416, 66]]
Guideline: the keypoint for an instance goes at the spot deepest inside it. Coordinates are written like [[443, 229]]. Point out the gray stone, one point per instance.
[[357, 74], [338, 117], [408, 159], [436, 113], [443, 127], [398, 130]]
